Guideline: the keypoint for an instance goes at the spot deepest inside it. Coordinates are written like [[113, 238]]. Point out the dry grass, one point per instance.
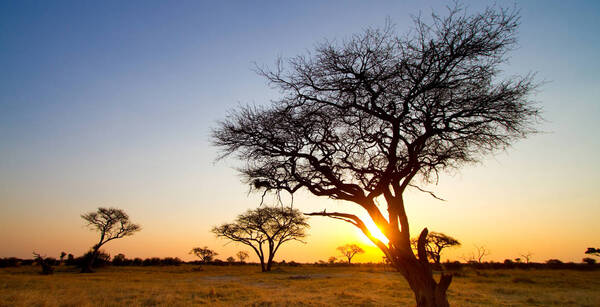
[[305, 285]]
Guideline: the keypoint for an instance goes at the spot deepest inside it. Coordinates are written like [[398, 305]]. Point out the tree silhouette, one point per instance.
[[527, 256], [364, 120], [477, 256], [111, 223], [350, 250], [45, 263], [593, 251], [271, 226], [435, 242], [204, 253], [242, 255]]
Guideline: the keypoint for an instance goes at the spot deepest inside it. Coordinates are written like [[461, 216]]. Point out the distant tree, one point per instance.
[[269, 226], [242, 256], [554, 262], [332, 260], [204, 253], [111, 223], [435, 242], [62, 256], [230, 259], [70, 259], [589, 260], [119, 259], [350, 250], [45, 263], [364, 120], [478, 255], [518, 260], [527, 256], [593, 251]]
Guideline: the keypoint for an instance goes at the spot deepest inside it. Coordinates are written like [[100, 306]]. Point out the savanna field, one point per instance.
[[360, 285]]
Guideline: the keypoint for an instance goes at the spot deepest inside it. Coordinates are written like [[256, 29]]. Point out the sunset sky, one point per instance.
[[111, 103]]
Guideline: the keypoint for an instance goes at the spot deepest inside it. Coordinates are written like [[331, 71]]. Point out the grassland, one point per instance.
[[305, 285]]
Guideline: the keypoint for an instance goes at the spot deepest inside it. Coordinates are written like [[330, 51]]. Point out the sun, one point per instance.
[[375, 231]]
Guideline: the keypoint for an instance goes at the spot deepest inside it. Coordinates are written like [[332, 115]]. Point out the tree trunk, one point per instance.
[[419, 275], [262, 264], [270, 262], [427, 292]]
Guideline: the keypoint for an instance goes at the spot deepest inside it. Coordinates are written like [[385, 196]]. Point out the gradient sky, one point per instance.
[[111, 104]]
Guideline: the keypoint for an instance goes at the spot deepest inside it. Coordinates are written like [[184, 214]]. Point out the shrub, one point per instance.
[[590, 261]]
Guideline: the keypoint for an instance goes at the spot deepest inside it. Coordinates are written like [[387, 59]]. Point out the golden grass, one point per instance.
[[304, 285]]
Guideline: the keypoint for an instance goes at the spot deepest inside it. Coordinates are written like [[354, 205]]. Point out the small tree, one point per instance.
[[527, 256], [350, 250], [435, 242], [230, 260], [593, 251], [62, 257], [119, 260], [111, 223], [242, 256], [45, 263], [204, 253], [332, 260], [478, 255], [269, 226]]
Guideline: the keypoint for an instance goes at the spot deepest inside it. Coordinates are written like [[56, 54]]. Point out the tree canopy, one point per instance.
[[271, 226], [204, 253], [381, 112], [435, 242], [350, 250]]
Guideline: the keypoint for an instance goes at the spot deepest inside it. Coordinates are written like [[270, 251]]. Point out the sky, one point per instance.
[[111, 104]]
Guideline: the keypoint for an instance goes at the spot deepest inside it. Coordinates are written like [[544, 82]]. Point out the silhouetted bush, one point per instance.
[[218, 262], [26, 262], [70, 260], [119, 260], [509, 264], [590, 261], [9, 262], [45, 263], [171, 261], [103, 259], [453, 266]]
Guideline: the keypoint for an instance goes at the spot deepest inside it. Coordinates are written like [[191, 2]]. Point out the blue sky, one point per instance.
[[111, 103]]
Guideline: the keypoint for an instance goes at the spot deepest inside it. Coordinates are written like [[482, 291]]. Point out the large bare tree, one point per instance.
[[366, 119], [111, 223], [265, 226]]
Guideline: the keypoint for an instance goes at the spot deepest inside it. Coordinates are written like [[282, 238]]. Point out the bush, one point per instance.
[[9, 262], [103, 259], [590, 261]]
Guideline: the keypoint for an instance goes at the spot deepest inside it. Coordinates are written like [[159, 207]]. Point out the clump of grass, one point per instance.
[[482, 274], [524, 280], [531, 301]]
